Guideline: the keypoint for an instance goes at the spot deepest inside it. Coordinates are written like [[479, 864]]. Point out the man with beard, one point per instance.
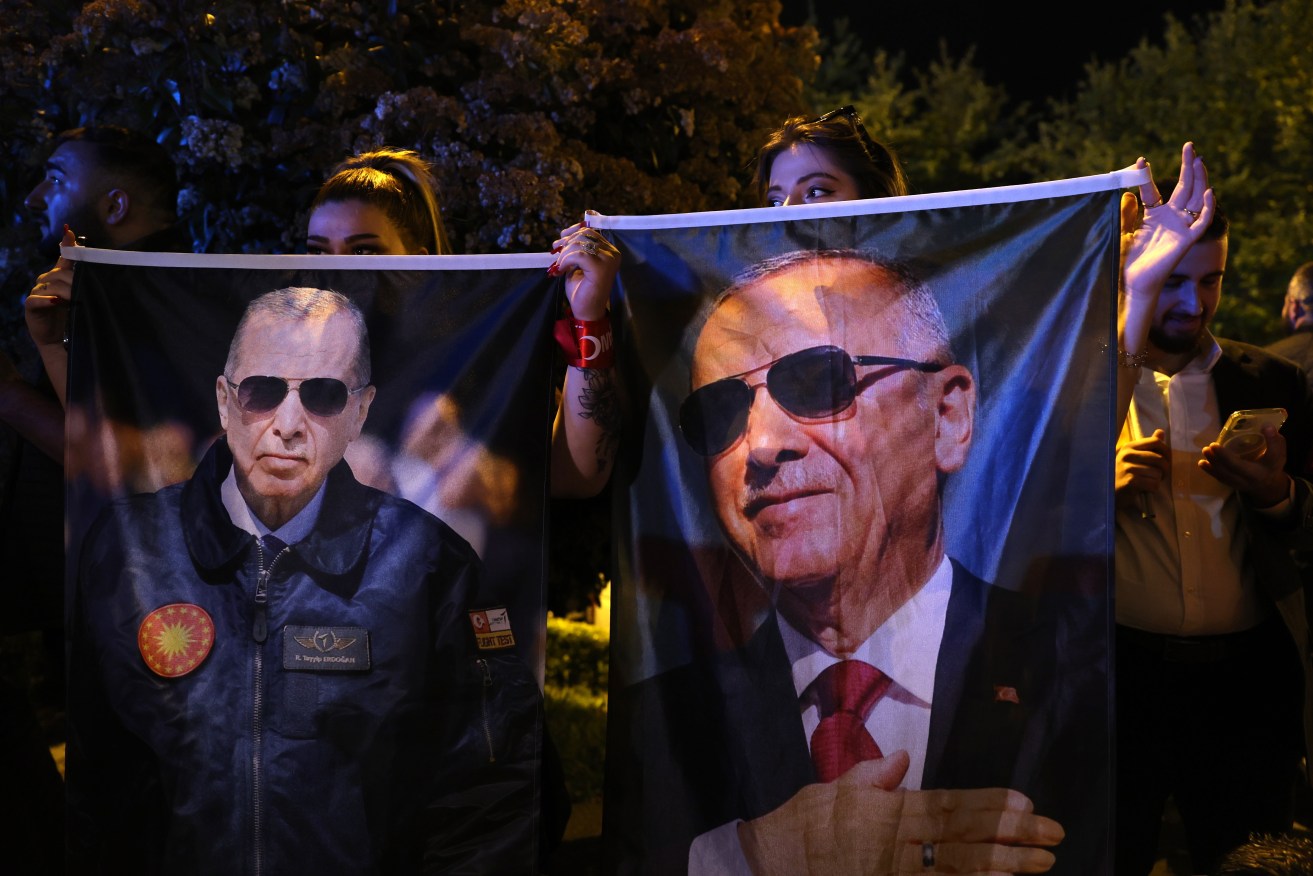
[[114, 189], [118, 189], [1211, 628]]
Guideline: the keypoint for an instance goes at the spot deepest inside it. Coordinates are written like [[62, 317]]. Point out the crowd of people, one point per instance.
[[1214, 692]]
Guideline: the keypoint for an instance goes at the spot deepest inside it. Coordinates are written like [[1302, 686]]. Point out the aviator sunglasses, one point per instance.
[[814, 383], [321, 396]]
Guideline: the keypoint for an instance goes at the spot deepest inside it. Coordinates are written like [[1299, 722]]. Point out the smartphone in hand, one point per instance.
[[1243, 432]]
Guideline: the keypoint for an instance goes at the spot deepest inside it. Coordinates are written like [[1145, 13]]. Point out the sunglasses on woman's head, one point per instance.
[[877, 155], [814, 383], [321, 396]]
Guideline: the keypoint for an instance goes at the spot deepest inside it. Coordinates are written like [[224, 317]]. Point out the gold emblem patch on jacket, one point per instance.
[[174, 639], [492, 628]]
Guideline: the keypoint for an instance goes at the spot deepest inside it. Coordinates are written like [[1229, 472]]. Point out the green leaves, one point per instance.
[[533, 109]]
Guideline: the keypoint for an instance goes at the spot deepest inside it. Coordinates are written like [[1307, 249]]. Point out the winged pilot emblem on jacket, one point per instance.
[[324, 641]]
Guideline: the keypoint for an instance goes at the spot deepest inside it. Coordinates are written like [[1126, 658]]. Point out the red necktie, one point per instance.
[[847, 692]]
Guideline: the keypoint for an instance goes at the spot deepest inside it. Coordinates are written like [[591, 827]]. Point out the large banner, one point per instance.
[[863, 529], [361, 688], [862, 535]]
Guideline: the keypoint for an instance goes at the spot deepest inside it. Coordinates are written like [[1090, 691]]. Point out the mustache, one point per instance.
[[767, 486]]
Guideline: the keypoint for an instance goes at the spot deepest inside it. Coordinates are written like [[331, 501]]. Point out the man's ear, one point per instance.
[[366, 397], [118, 204], [955, 417], [221, 396]]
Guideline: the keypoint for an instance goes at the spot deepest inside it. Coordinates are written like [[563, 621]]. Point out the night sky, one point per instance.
[[1035, 48]]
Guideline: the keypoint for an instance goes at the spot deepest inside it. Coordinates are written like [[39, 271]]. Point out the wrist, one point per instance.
[[1272, 494], [586, 343], [1140, 294], [588, 314]]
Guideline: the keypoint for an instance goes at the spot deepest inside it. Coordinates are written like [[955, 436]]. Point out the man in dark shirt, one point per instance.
[[1297, 314], [119, 189]]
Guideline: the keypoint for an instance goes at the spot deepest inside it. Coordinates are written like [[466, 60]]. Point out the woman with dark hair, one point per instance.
[[829, 158], [383, 202]]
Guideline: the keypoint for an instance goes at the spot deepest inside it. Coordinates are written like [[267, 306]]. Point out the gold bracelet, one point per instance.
[[1131, 360]]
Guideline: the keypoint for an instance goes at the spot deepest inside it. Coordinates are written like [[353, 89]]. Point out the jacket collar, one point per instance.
[[1234, 378], [335, 547]]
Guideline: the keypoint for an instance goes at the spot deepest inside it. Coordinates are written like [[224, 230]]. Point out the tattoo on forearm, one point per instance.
[[598, 403]]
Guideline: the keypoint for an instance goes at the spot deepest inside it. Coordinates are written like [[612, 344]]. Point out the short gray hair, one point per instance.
[[924, 327], [1301, 282], [301, 303]]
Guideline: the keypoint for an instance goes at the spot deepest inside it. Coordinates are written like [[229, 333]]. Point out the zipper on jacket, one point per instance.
[[487, 685], [259, 632]]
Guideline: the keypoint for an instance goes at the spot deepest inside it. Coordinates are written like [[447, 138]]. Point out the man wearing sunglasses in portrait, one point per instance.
[[830, 409], [275, 668]]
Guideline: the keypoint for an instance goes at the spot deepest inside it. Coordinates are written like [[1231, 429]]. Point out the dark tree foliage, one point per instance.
[[1239, 83], [532, 110]]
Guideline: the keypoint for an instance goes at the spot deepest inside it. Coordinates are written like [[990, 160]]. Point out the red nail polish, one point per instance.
[[554, 269], [557, 249]]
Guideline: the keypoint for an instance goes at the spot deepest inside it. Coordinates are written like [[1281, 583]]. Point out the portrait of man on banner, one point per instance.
[[855, 696], [271, 631]]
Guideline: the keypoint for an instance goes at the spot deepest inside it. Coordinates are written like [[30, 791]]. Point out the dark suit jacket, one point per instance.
[[1250, 377], [705, 744], [1298, 348]]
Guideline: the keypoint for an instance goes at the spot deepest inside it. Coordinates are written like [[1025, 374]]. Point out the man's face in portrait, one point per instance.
[[71, 193], [855, 493], [283, 455]]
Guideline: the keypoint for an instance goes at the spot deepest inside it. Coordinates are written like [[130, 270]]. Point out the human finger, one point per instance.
[[1207, 207], [1129, 213], [1142, 478], [882, 772], [69, 239], [1149, 194], [1269, 458], [566, 234], [1183, 191], [974, 858], [939, 801], [584, 245], [53, 286], [1157, 440], [985, 823], [1263, 480], [1200, 179], [1150, 456], [1192, 195]]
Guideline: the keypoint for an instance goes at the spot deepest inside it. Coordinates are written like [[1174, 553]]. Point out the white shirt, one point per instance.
[[1183, 571], [905, 648]]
